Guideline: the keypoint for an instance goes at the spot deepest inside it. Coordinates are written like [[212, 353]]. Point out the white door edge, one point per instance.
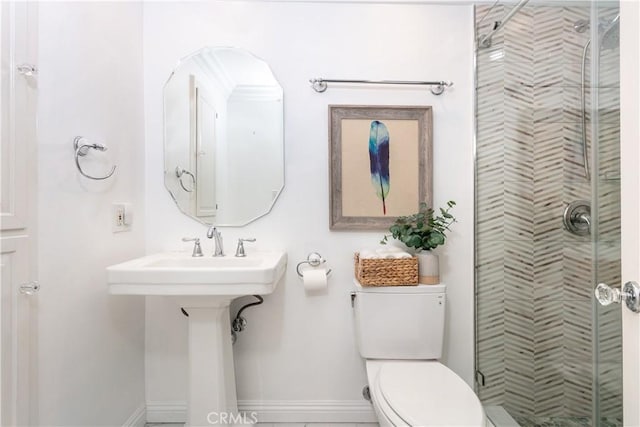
[[630, 198]]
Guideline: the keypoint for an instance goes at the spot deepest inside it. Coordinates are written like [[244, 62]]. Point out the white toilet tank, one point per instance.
[[399, 322]]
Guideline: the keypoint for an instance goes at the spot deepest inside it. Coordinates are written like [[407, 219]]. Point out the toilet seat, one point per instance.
[[425, 393]]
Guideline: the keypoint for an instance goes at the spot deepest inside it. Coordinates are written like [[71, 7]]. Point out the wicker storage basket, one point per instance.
[[386, 272]]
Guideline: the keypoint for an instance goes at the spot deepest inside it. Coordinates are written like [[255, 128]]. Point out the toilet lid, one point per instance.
[[428, 394]]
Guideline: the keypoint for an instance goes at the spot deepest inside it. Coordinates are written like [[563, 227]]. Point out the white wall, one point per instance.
[[91, 345], [300, 348]]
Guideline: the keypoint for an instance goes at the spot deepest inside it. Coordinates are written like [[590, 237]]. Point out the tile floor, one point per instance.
[[280, 425]]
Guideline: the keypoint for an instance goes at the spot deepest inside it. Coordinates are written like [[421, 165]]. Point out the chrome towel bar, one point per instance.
[[437, 87]]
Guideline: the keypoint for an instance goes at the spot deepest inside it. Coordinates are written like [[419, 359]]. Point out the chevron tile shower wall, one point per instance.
[[548, 355]]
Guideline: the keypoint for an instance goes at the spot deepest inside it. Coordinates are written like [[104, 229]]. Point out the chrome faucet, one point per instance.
[[213, 233]]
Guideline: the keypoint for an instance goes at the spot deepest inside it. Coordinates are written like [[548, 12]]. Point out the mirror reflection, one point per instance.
[[223, 137]]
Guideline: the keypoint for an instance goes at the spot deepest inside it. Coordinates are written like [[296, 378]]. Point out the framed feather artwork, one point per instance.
[[380, 163]]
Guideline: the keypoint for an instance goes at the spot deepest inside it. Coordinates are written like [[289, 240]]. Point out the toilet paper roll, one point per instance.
[[314, 279]]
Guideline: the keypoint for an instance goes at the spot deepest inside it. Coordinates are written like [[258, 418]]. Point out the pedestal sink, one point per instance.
[[204, 287]]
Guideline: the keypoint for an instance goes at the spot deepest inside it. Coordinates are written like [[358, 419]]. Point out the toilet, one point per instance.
[[399, 332]]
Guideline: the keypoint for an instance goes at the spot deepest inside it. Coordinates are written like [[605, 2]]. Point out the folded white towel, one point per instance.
[[386, 249], [369, 254], [380, 254], [398, 255], [390, 251]]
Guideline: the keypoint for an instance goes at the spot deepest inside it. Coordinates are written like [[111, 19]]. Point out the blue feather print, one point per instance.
[[379, 160]]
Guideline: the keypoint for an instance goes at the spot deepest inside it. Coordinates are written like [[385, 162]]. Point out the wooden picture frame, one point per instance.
[[361, 199]]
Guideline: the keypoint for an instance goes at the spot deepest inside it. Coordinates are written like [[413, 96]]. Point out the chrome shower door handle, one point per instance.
[[630, 294]]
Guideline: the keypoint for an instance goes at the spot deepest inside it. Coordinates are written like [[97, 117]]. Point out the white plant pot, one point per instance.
[[428, 268]]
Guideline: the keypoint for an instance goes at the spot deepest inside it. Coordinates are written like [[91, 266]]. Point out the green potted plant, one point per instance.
[[424, 231]]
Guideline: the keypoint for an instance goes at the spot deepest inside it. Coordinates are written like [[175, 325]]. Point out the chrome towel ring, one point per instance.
[[81, 148], [180, 172]]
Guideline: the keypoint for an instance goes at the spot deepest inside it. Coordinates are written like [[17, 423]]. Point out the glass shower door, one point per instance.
[[545, 354], [605, 125]]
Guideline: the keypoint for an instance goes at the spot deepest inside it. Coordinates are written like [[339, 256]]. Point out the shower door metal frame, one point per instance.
[[595, 223], [477, 374]]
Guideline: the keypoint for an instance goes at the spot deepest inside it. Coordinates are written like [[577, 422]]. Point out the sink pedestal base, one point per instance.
[[204, 287], [212, 385]]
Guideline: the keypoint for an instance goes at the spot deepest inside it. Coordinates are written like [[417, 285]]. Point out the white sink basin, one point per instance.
[[180, 274], [204, 287]]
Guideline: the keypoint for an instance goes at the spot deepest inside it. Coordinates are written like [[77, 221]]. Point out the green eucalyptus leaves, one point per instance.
[[423, 230]]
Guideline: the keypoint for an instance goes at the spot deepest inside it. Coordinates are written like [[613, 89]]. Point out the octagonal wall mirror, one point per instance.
[[223, 137]]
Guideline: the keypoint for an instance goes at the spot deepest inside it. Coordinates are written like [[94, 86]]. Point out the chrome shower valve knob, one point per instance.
[[577, 218], [630, 294]]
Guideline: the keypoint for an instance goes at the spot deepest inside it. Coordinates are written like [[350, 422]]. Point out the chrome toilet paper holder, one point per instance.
[[314, 259]]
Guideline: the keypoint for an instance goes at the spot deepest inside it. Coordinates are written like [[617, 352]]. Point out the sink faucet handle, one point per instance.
[[240, 249], [197, 249]]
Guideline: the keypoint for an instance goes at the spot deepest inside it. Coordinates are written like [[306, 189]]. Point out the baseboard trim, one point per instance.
[[300, 411], [138, 418], [166, 412], [277, 411]]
